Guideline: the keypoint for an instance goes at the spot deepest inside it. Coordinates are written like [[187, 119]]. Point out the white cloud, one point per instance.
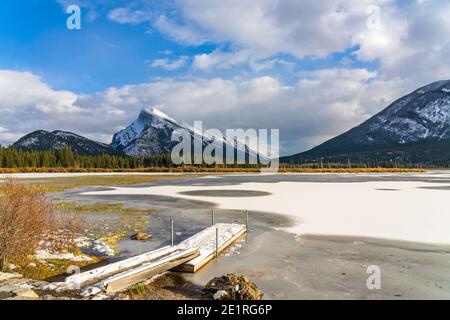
[[322, 104], [26, 92], [128, 16], [220, 59], [412, 42], [168, 64], [179, 33], [411, 46], [267, 27]]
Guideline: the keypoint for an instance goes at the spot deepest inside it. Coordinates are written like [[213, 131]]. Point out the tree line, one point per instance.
[[65, 158]]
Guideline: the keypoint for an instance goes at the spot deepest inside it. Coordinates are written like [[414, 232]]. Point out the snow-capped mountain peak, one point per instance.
[[157, 113], [149, 118], [149, 134]]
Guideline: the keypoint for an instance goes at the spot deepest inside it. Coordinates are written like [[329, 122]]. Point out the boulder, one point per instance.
[[141, 236], [232, 287], [26, 294], [8, 276]]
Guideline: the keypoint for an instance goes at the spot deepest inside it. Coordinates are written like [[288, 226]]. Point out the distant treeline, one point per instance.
[[65, 158]]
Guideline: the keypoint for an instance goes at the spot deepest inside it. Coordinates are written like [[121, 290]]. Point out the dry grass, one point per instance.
[[53, 268], [350, 170], [192, 169], [27, 220], [101, 207], [66, 183]]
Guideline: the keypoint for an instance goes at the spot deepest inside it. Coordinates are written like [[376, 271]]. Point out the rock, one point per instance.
[[232, 287], [141, 236], [50, 297], [59, 287], [26, 294], [121, 296], [220, 295], [20, 298], [101, 297], [11, 267], [8, 276], [8, 288]]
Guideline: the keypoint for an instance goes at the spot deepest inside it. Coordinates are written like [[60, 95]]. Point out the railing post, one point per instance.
[[246, 220], [217, 243], [212, 217], [171, 232]]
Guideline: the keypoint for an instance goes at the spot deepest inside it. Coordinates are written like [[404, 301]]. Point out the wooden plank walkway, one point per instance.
[[205, 240], [142, 273], [88, 277], [188, 256]]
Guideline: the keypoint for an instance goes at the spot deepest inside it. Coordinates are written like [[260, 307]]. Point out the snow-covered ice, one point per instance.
[[360, 209]]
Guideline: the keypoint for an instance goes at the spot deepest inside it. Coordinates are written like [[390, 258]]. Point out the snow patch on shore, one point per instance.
[[47, 255]]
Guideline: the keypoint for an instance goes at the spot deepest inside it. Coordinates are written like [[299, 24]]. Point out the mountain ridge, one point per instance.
[[150, 134], [42, 140], [419, 118]]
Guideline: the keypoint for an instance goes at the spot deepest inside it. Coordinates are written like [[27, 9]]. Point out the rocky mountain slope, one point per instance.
[[150, 134], [43, 140], [414, 128]]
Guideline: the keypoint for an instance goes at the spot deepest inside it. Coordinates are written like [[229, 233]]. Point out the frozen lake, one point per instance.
[[311, 235], [413, 207]]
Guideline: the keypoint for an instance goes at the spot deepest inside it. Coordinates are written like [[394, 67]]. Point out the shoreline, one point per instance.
[[200, 170], [303, 267]]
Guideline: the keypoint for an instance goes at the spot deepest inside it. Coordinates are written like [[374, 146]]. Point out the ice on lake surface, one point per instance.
[[311, 235], [340, 205]]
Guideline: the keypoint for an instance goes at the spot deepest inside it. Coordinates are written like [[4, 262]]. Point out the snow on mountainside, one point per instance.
[[43, 140], [421, 117], [151, 134], [148, 135], [424, 114]]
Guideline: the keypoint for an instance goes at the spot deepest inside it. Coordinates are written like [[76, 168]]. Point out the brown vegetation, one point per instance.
[[192, 169], [28, 221]]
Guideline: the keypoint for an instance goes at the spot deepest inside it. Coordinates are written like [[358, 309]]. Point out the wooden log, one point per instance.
[[147, 271], [142, 273], [91, 276]]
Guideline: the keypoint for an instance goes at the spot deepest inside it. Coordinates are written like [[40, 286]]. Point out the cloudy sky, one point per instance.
[[312, 69]]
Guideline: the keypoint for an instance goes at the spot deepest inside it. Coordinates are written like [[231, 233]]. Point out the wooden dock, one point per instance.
[[206, 242], [187, 256], [146, 271]]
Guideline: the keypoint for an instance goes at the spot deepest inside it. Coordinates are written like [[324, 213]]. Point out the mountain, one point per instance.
[[151, 133], [43, 140], [415, 128]]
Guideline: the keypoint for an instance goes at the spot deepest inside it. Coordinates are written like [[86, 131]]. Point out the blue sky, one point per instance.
[[104, 53], [311, 69], [34, 37]]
